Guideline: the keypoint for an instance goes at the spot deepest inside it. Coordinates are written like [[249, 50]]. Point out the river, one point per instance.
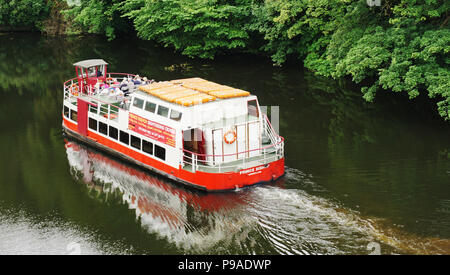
[[361, 178]]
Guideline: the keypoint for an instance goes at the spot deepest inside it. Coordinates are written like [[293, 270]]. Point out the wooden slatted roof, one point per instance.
[[191, 91]]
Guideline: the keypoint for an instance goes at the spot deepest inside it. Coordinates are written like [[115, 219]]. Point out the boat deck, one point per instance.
[[265, 157]]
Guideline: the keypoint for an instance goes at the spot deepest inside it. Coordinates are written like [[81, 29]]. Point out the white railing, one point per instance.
[[72, 88], [194, 161], [269, 131], [98, 106]]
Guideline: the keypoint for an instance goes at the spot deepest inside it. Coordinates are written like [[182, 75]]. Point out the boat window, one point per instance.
[[160, 152], [124, 137], [163, 111], [150, 107], [136, 142], [66, 111], [73, 115], [91, 71], [100, 70], [81, 72], [147, 147], [93, 124], [113, 132], [252, 106], [103, 128], [92, 108], [139, 103], [104, 110], [175, 115]]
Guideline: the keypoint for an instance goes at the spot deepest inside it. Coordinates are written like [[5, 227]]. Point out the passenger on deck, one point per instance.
[[137, 80], [124, 85], [130, 88]]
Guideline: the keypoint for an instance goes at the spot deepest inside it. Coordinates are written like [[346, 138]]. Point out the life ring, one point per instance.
[[229, 137], [74, 89]]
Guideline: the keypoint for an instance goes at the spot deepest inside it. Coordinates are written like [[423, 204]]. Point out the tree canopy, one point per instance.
[[400, 46]]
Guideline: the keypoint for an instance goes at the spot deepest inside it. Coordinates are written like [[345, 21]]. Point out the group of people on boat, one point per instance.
[[113, 88]]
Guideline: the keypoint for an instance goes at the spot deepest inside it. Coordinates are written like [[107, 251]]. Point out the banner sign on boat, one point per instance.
[[152, 129]]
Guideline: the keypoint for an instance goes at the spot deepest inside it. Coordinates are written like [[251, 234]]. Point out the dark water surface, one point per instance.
[[360, 178]]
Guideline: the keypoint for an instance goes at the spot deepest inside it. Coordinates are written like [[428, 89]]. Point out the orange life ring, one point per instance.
[[229, 137], [74, 89]]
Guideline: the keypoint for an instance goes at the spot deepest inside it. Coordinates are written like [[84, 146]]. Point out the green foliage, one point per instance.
[[98, 17], [23, 13], [295, 28], [400, 46], [199, 28]]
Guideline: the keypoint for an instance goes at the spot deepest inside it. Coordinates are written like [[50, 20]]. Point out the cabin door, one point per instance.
[[254, 136], [82, 112], [217, 145], [194, 141], [241, 139]]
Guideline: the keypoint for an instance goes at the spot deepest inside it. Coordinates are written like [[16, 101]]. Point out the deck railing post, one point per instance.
[[193, 162]]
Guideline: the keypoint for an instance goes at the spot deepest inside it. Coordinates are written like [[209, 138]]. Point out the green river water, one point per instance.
[[360, 178]]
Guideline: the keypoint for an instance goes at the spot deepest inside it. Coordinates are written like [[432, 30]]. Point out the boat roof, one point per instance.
[[191, 91], [90, 62]]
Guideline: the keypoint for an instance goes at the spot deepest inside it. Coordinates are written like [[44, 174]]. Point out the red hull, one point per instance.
[[199, 179]]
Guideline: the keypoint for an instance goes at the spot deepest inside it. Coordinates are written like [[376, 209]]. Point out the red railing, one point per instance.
[[113, 75]]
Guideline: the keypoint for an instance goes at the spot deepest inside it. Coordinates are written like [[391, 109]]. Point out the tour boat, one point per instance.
[[194, 131]]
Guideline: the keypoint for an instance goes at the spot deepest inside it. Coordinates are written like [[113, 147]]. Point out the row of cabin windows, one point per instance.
[[71, 114], [126, 138], [135, 142], [152, 108]]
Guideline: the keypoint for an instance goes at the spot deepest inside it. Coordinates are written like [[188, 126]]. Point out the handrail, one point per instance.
[[267, 154], [66, 87], [234, 154], [280, 140], [228, 167], [122, 74], [76, 78]]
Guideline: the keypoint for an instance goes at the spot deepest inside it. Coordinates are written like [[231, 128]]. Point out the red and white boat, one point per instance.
[[196, 132]]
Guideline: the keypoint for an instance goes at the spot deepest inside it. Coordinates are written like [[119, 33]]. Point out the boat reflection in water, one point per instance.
[[191, 220], [265, 219]]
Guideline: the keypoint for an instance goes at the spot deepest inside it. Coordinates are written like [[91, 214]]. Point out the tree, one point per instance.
[[197, 28]]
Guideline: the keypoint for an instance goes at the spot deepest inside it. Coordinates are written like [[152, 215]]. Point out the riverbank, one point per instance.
[[393, 47]]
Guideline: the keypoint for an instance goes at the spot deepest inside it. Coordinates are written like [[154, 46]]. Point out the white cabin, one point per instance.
[[200, 127]]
